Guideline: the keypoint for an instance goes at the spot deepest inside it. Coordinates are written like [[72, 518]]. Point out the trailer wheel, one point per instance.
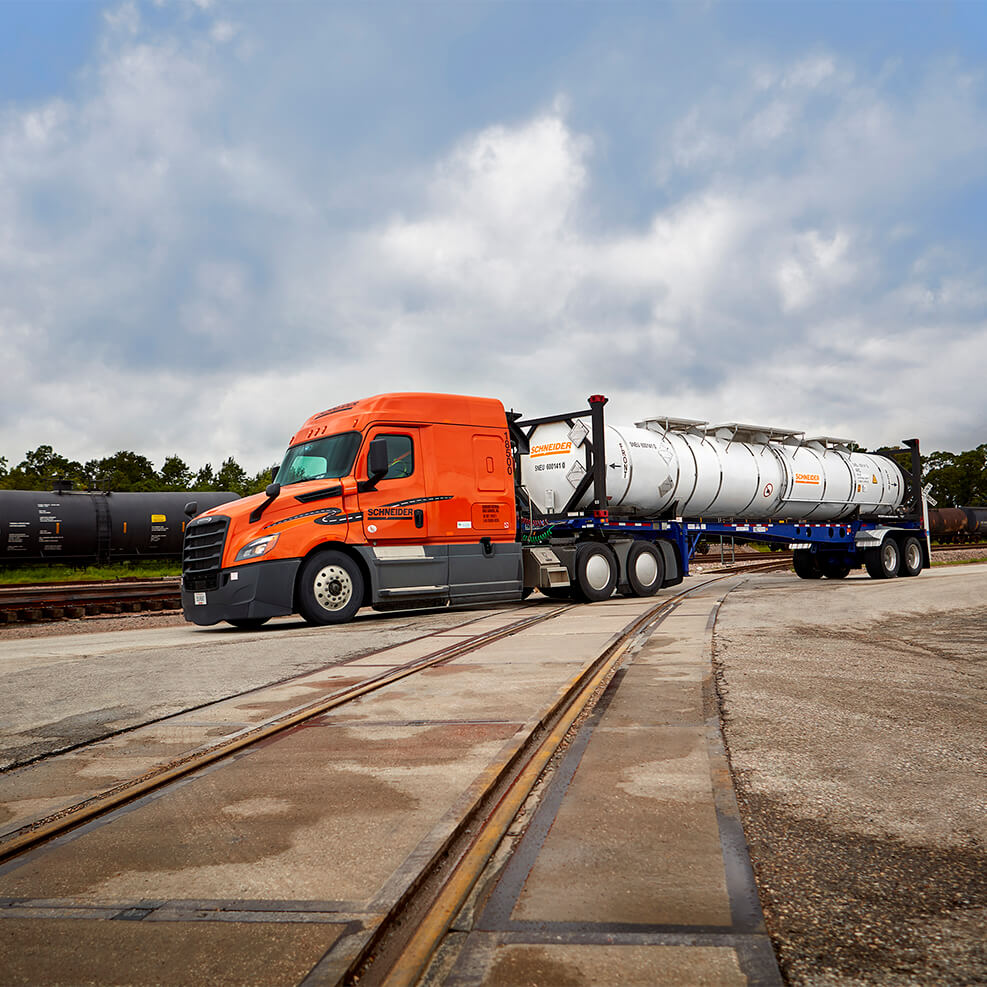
[[911, 557], [248, 623], [645, 569], [883, 562], [834, 568], [330, 588], [596, 572], [805, 565]]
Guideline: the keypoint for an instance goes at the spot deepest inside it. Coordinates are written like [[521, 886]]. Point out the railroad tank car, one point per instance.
[[976, 522], [947, 523], [666, 466], [89, 527], [958, 524]]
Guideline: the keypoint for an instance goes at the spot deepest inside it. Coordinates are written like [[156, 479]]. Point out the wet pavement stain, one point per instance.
[[534, 966]]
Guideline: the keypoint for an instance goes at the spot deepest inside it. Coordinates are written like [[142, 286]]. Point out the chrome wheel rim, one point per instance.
[[332, 587], [646, 569], [597, 571]]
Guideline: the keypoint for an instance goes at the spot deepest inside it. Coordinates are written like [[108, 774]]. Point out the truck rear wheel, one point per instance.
[[596, 572], [330, 588], [911, 557], [883, 562], [805, 565], [645, 569]]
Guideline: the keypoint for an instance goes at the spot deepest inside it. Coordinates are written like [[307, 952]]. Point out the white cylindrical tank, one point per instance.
[[690, 469]]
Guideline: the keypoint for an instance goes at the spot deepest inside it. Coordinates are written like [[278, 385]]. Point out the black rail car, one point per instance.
[[87, 528], [958, 524]]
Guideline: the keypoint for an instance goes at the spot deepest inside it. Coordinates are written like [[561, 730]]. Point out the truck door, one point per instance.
[[394, 511], [395, 523]]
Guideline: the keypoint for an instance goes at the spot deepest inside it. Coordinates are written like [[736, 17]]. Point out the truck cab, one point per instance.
[[393, 501]]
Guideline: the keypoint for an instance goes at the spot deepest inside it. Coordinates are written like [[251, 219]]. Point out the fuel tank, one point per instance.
[[680, 467]]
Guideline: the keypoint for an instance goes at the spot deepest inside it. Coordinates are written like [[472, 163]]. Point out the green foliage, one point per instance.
[[231, 476], [957, 479], [126, 471], [61, 573], [175, 474], [258, 483]]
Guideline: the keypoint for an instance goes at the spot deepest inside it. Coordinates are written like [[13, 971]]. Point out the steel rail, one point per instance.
[[414, 958], [42, 830]]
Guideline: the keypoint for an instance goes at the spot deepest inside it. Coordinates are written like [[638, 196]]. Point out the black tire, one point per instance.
[[330, 588], [834, 568], [805, 565], [645, 569], [596, 572], [883, 562], [911, 557], [248, 623]]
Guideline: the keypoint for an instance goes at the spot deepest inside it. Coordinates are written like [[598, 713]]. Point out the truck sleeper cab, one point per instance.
[[393, 501]]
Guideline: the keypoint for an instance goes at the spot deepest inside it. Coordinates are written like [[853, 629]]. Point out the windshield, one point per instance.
[[322, 459]]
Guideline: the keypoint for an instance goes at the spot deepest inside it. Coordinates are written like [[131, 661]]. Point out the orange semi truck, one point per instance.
[[417, 500]]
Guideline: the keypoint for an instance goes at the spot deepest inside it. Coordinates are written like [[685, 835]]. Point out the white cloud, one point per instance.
[[161, 253]]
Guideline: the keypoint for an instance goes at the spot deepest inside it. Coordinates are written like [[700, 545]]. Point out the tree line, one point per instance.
[[127, 471], [955, 479]]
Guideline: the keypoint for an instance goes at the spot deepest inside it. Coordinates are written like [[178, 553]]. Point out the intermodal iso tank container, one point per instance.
[[689, 469], [80, 528]]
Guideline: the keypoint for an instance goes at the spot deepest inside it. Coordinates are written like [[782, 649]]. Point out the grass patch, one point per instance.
[[60, 573], [960, 561]]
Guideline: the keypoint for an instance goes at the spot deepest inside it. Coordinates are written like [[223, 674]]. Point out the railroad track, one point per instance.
[[399, 946], [60, 601]]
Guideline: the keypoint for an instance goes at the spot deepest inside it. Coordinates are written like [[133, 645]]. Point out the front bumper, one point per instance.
[[260, 589]]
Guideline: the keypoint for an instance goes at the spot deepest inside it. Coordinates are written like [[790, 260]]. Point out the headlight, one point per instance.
[[257, 547]]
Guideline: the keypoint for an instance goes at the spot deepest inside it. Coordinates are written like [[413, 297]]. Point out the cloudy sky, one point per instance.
[[219, 217]]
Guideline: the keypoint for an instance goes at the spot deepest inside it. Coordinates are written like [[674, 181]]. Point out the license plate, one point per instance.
[[200, 599]]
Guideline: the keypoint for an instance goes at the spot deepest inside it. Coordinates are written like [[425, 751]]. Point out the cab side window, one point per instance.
[[400, 456]]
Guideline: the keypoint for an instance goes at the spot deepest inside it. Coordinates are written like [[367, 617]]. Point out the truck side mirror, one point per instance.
[[191, 508], [377, 464], [272, 490]]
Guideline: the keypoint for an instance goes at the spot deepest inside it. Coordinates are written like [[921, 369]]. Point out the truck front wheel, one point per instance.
[[596, 572], [330, 588]]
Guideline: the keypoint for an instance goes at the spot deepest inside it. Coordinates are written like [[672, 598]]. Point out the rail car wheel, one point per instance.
[[883, 562], [248, 623], [834, 568], [805, 565], [596, 572], [645, 569], [911, 557], [330, 588]]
